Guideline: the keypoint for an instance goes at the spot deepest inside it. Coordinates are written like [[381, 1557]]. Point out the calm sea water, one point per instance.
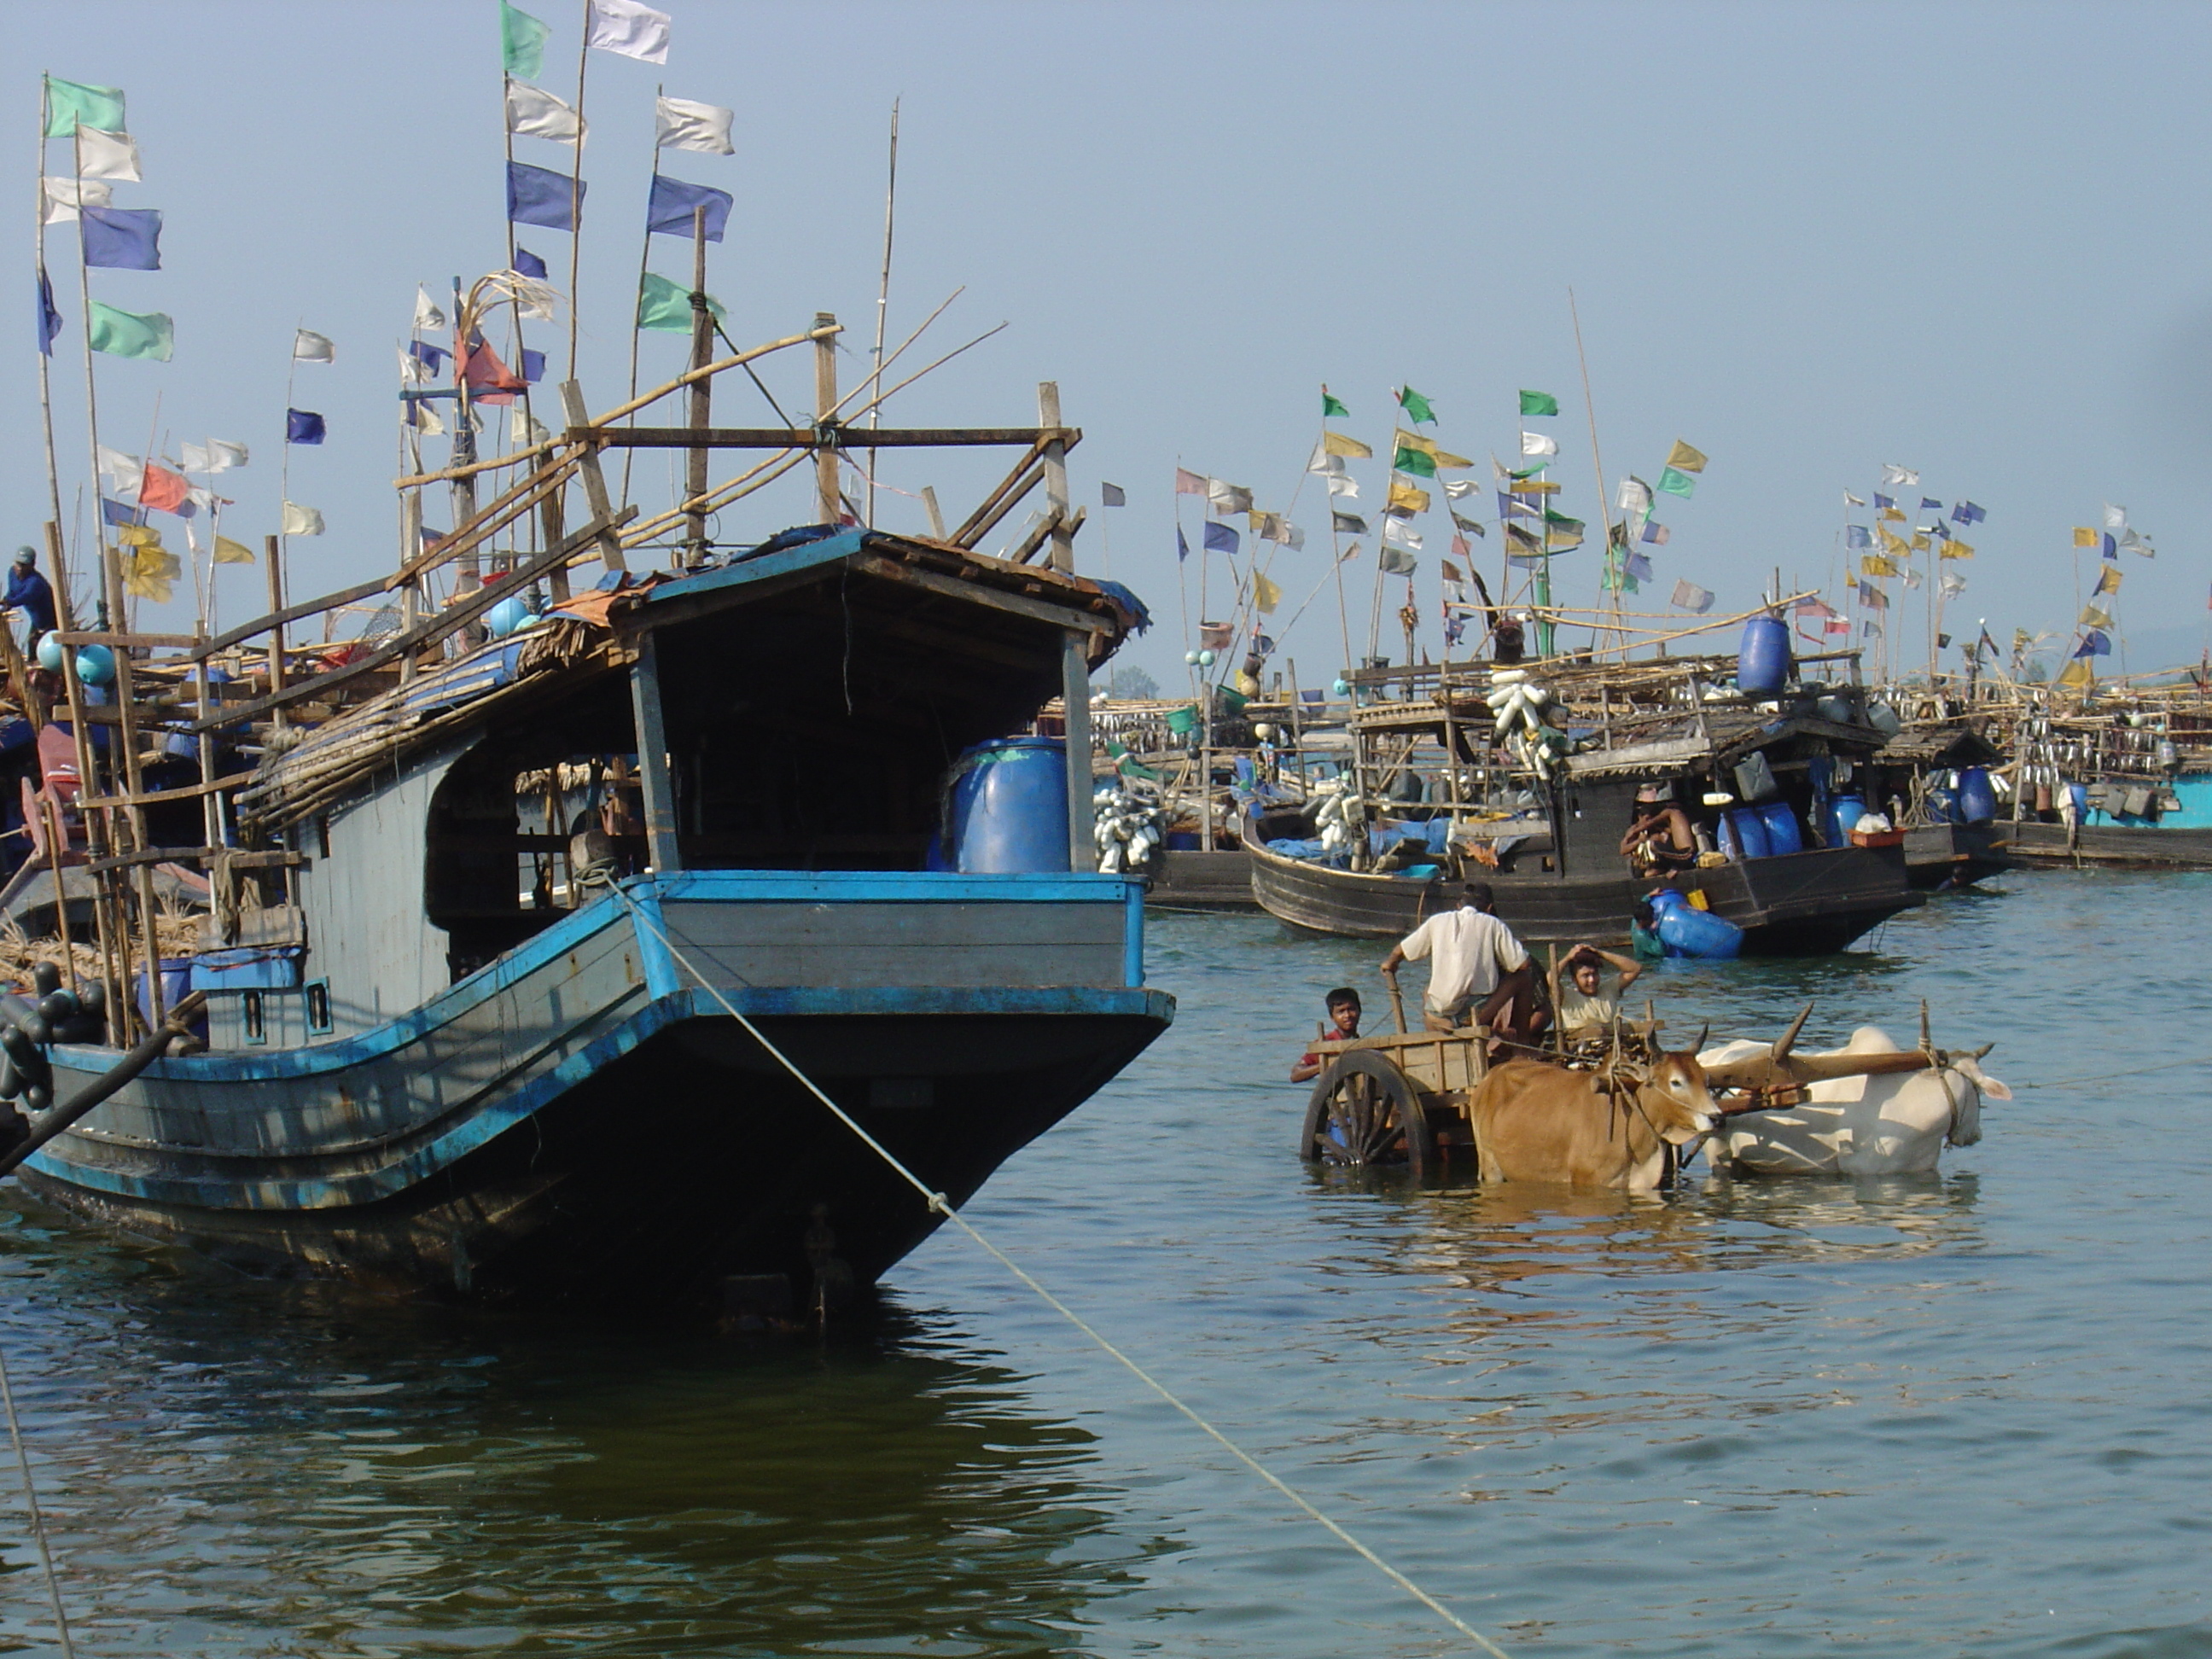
[[1968, 1415]]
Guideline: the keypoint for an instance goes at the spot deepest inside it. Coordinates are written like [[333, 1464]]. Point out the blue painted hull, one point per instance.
[[581, 1120]]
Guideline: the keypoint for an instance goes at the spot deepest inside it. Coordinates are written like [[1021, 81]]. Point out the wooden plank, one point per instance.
[[952, 588], [202, 650], [153, 855], [186, 642], [595, 484], [831, 435], [182, 791], [454, 618]]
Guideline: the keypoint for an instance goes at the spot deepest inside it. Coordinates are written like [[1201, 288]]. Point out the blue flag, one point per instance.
[[121, 238], [431, 357], [120, 512], [1967, 513], [1940, 529], [1857, 535], [529, 264], [2094, 644], [1884, 501], [534, 365], [668, 210], [302, 426], [1929, 506], [50, 320], [539, 195], [1220, 539], [1639, 567], [1182, 545], [2110, 548]]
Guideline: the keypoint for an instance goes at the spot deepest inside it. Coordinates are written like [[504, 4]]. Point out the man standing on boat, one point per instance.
[[29, 594], [1478, 974]]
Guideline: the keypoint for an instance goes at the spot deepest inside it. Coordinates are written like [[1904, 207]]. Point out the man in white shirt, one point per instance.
[[1478, 974]]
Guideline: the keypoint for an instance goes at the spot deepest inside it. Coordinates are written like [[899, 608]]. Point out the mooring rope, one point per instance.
[[38, 1522], [943, 1206]]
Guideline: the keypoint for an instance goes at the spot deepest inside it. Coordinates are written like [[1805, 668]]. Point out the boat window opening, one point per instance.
[[318, 1007], [253, 1017]]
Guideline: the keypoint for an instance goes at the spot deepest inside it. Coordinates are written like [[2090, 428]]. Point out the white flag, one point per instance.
[[1635, 494], [1294, 538], [1459, 489], [1399, 533], [1538, 443], [413, 371], [1953, 585], [1343, 484], [309, 347], [226, 455], [301, 520], [205, 499], [63, 196], [533, 297], [426, 419], [124, 473], [1850, 500], [107, 154], [194, 459], [2116, 518], [1688, 596], [679, 124], [1911, 577], [534, 112], [627, 27], [426, 315], [528, 431], [1324, 462], [1899, 476]]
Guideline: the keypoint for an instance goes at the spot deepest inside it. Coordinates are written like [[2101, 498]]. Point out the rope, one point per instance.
[[942, 1206], [2138, 1071], [37, 1522]]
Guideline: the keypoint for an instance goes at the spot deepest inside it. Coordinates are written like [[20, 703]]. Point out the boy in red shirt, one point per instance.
[[1343, 1004]]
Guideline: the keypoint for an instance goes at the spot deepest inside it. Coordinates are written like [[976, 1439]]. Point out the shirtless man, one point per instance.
[[1659, 837]]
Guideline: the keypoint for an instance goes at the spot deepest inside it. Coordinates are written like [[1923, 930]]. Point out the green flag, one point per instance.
[[1676, 482], [522, 42], [1417, 462], [666, 306], [1333, 404], [1561, 533], [1415, 405], [1539, 403], [127, 334], [67, 103]]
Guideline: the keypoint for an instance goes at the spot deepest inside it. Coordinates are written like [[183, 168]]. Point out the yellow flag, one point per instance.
[[1683, 458], [228, 551], [1265, 593], [2095, 616], [148, 573], [1335, 443], [1919, 541], [1877, 564], [138, 535], [1403, 494], [2108, 580], [1415, 441], [1891, 516], [1535, 487], [2076, 674], [1892, 543], [1448, 462], [2084, 537], [1958, 549]]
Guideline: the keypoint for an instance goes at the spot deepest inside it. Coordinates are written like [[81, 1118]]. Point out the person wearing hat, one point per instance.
[[1660, 838], [29, 593]]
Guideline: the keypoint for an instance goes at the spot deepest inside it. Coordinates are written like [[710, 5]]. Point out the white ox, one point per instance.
[[1856, 1126]]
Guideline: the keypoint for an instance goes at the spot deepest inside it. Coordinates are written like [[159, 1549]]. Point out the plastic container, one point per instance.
[[1762, 662], [176, 985], [1977, 800], [1685, 931], [1782, 835], [1006, 807], [1844, 812], [1750, 832], [1184, 720], [247, 968]]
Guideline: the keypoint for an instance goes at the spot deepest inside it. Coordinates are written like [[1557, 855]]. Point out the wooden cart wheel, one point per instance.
[[1365, 1112]]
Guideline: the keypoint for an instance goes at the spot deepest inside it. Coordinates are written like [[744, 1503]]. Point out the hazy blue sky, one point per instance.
[[1970, 239]]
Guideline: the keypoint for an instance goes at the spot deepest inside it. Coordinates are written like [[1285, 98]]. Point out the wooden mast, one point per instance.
[[703, 395], [1074, 660], [825, 409]]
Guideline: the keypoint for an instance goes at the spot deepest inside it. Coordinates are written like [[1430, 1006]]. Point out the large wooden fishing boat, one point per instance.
[[1436, 801], [499, 934]]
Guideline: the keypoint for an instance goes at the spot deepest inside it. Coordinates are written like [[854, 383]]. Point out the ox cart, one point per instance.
[[1409, 1098]]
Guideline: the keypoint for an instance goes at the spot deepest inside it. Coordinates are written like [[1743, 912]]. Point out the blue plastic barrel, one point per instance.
[[1844, 813], [1750, 832], [1978, 801], [1008, 808], [1686, 931], [1731, 848], [1782, 832], [1762, 663]]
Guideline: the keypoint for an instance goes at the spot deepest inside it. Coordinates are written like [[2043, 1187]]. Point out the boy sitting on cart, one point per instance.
[[1343, 1005]]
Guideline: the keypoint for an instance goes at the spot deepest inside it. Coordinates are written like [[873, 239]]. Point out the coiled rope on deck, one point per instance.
[[943, 1206]]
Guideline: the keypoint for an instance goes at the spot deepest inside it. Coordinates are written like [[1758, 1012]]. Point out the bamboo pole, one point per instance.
[[883, 306], [702, 394], [576, 187]]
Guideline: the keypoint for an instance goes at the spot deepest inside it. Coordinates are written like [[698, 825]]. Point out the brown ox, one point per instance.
[[1534, 1121]]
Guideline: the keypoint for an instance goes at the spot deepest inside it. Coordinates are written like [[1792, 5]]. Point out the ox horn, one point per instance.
[[1699, 1047], [1780, 1052], [1927, 1041]]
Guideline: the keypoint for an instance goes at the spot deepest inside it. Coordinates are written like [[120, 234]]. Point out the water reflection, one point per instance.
[[223, 1461]]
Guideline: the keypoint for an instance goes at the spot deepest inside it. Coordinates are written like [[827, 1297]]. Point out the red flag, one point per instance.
[[489, 381], [163, 489]]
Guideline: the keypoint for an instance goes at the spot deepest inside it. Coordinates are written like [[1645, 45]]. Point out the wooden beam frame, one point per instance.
[[827, 435]]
